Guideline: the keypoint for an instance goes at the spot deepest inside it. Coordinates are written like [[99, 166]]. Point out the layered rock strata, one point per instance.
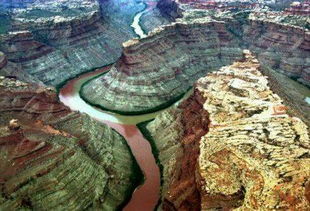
[[162, 66], [299, 8], [13, 70], [174, 134], [53, 158], [153, 17], [55, 41], [3, 60], [164, 134], [241, 148], [156, 69]]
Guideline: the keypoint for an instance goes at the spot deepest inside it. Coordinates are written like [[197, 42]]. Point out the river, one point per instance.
[[146, 196], [136, 21]]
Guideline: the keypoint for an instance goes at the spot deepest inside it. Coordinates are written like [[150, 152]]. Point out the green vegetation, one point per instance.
[[63, 83], [136, 177], [129, 113], [147, 135]]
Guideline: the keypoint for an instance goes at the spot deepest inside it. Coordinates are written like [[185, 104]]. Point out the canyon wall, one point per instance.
[[53, 158], [240, 149], [282, 47], [156, 69], [52, 43], [12, 70], [170, 9]]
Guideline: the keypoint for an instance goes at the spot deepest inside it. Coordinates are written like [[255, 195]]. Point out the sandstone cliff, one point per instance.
[[156, 69], [239, 148], [53, 158]]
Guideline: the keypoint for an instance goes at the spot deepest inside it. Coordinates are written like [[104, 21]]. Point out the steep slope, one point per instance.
[[53, 41], [162, 66], [53, 158], [157, 69], [239, 148]]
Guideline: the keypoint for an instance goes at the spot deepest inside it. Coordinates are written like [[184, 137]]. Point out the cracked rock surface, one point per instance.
[[239, 148]]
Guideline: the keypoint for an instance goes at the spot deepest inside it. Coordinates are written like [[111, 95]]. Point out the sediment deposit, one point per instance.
[[53, 158], [243, 151]]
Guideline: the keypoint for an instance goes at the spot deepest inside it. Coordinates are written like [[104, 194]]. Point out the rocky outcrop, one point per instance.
[[53, 158], [240, 149], [164, 134], [299, 8], [254, 154], [165, 64], [13, 70]]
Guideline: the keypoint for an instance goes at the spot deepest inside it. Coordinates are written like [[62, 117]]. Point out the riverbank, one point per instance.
[[140, 148], [145, 196]]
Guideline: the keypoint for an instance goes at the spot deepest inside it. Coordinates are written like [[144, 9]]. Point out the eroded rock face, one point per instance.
[[166, 63], [53, 41], [166, 131], [162, 66], [240, 149], [284, 48], [183, 192], [12, 70], [253, 147], [176, 134], [53, 158], [169, 8]]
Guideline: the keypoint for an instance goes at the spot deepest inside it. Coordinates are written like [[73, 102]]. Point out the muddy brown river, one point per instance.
[[146, 196]]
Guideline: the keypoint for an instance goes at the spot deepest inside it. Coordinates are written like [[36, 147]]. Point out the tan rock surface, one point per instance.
[[254, 156], [240, 148]]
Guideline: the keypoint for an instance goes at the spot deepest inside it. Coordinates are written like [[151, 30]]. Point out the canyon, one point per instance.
[[82, 166], [54, 158], [154, 105], [69, 40], [158, 68]]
